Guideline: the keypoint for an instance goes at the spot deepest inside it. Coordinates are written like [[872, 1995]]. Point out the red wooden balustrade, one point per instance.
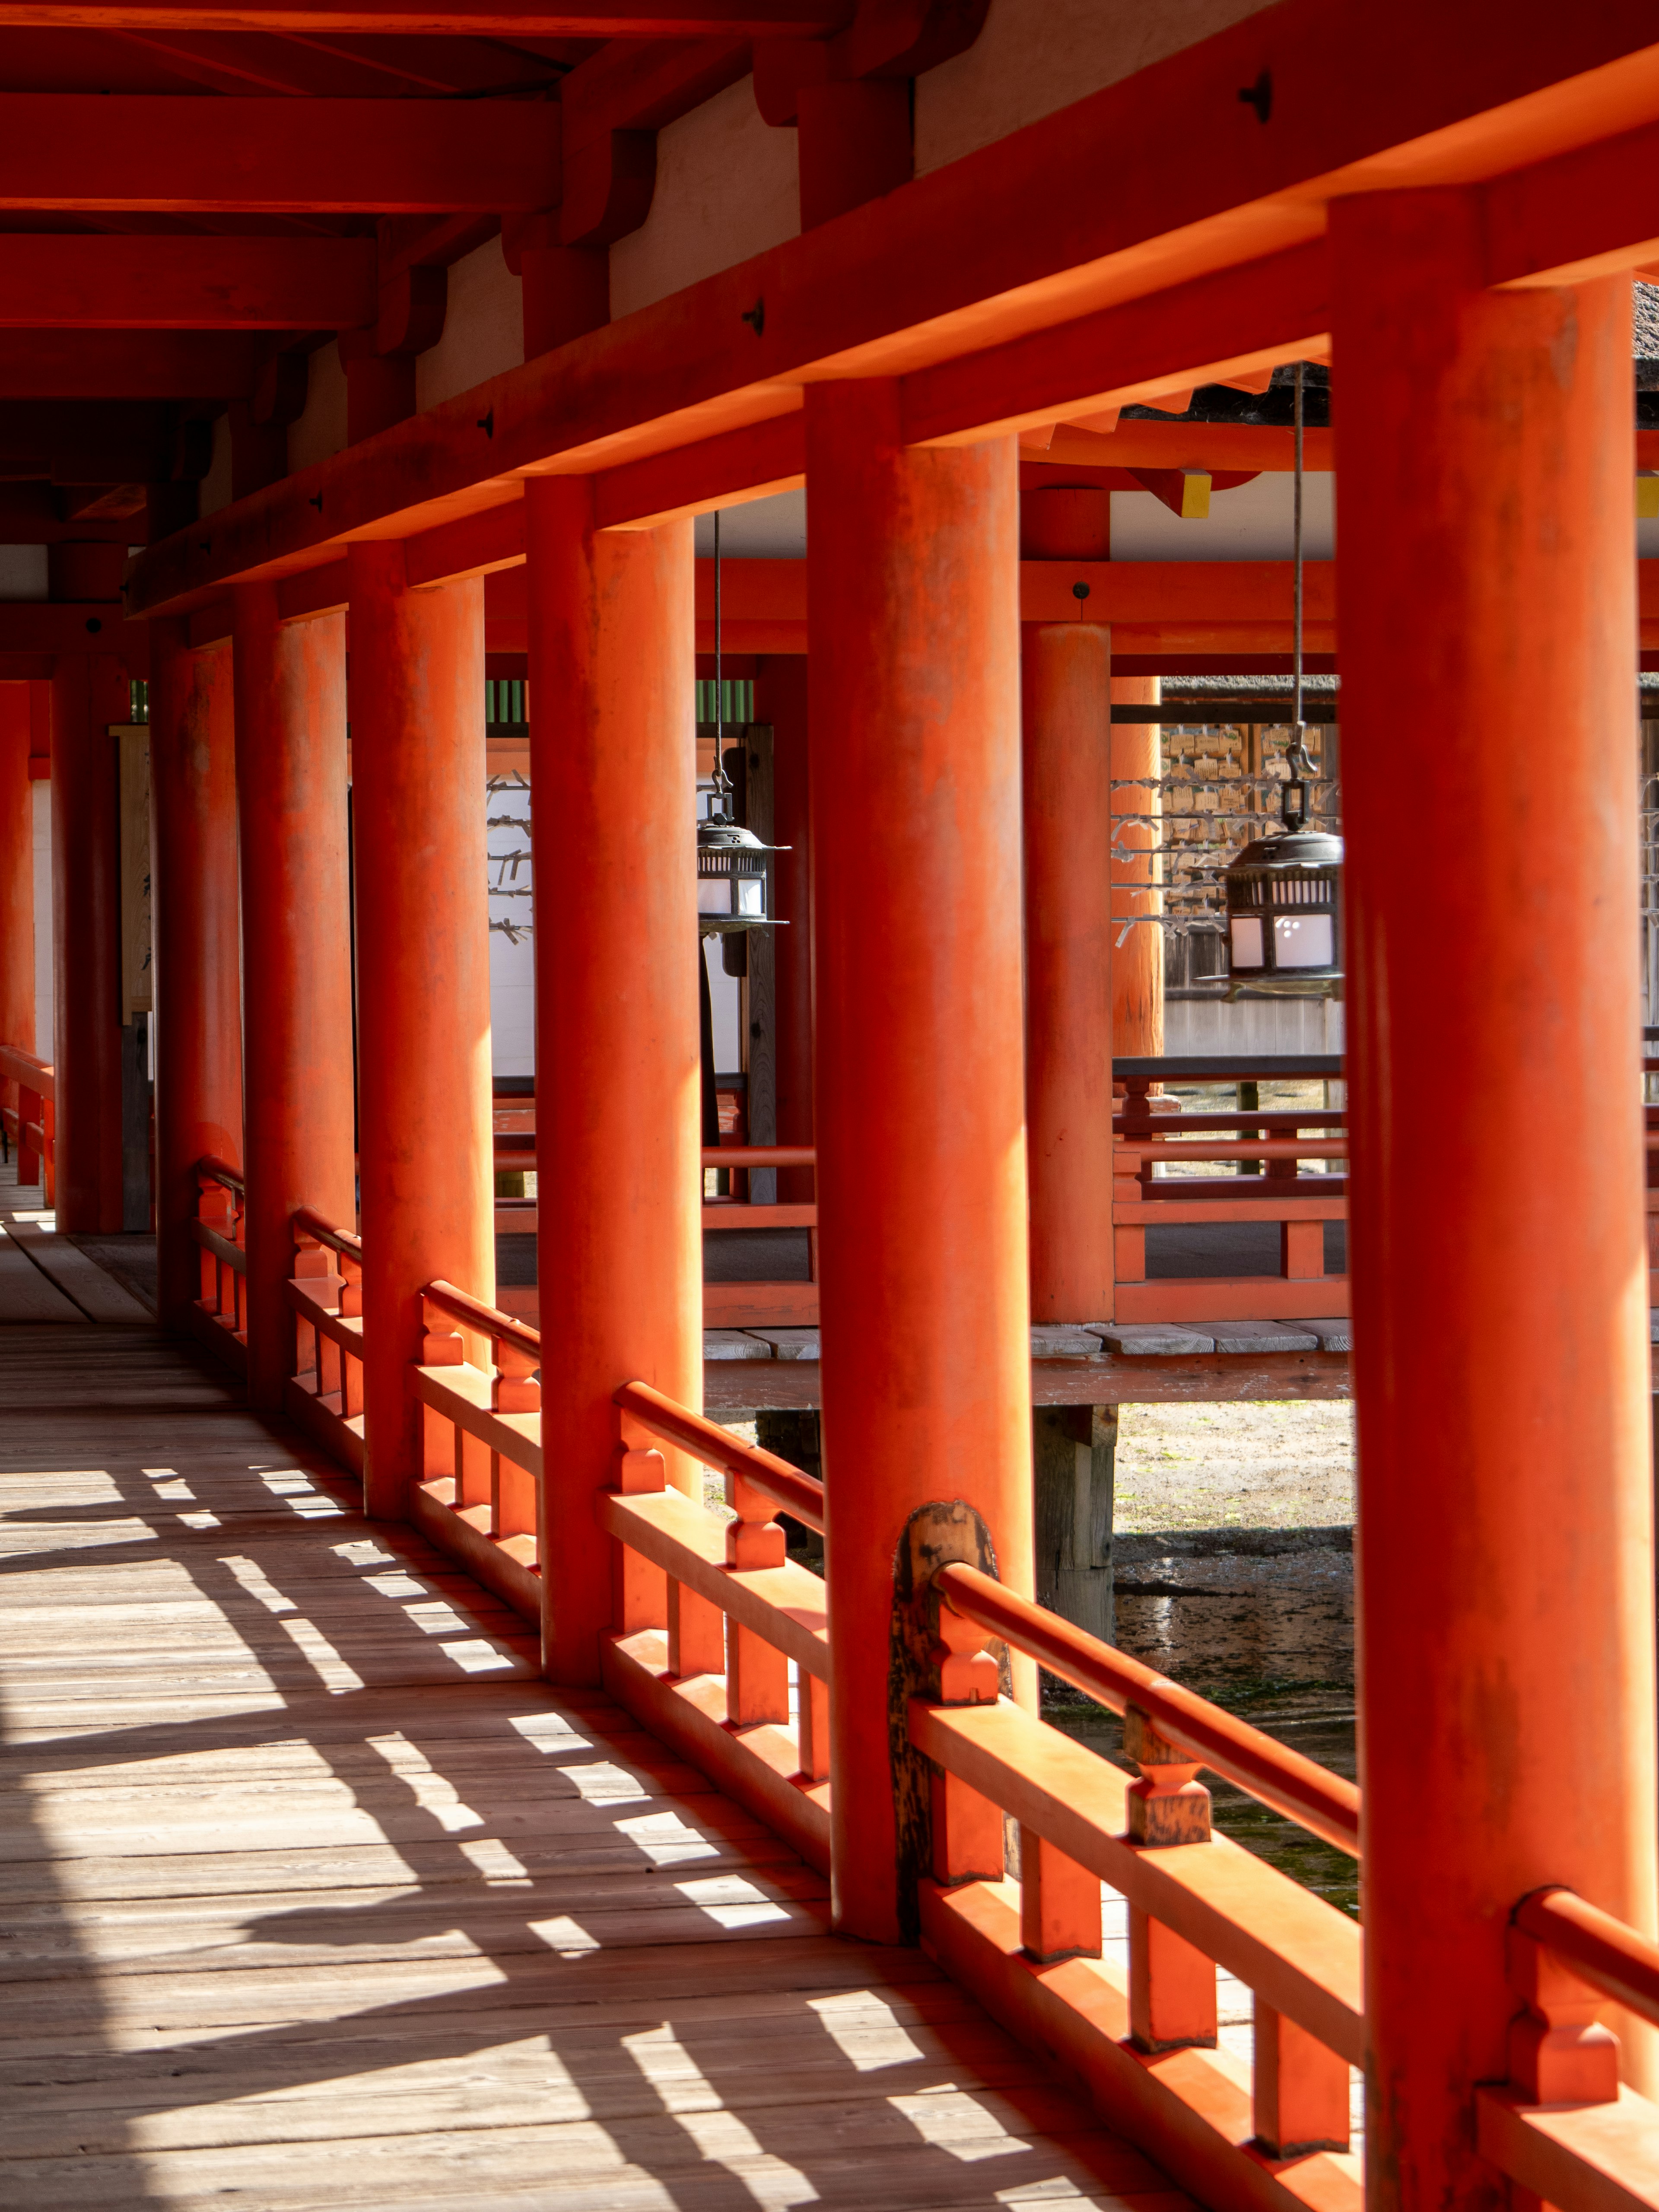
[[29, 1124], [220, 1312], [325, 1395]]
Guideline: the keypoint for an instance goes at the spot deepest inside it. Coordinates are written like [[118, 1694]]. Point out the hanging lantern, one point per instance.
[[1284, 892], [731, 877]]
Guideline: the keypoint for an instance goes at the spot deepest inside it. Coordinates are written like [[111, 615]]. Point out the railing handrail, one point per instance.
[[27, 1069], [1228, 1148], [760, 1155], [486, 1320], [1231, 1068], [1600, 1949], [1268, 1770], [798, 1492], [215, 1169], [307, 1224]]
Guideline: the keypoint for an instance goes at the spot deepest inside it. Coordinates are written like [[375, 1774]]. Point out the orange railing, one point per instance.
[[220, 1312], [325, 1395], [1564, 2128], [29, 1125]]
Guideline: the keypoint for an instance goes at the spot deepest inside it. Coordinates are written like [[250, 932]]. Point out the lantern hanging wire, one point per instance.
[[1298, 758]]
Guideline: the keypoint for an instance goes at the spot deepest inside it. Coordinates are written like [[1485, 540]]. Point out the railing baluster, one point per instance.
[[1172, 2000], [1299, 2088], [639, 1594], [515, 1390], [756, 1672], [813, 1728], [1059, 1903]]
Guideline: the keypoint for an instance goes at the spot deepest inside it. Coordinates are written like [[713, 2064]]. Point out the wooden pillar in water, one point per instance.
[[425, 1131], [290, 681], [914, 622], [1501, 1356], [16, 877], [613, 766]]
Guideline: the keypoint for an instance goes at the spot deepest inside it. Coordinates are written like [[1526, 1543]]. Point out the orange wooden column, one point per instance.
[[194, 900], [1138, 963], [781, 687], [612, 766], [1066, 687], [16, 877], [426, 1174], [1500, 1285], [89, 693], [913, 622], [296, 953]]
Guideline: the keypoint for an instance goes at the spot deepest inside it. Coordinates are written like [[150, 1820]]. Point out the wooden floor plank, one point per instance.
[[313, 1894]]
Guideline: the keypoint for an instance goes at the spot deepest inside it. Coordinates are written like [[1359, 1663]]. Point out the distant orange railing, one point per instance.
[[221, 1310], [325, 1395], [30, 1123]]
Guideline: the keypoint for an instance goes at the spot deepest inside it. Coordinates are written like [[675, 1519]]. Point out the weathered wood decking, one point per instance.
[[313, 1895]]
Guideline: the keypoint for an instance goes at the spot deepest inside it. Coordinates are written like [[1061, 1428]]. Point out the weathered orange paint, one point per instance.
[[1501, 1361], [915, 770], [290, 682], [194, 902], [89, 693], [1065, 685], [1138, 961], [426, 1183], [16, 877], [612, 778]]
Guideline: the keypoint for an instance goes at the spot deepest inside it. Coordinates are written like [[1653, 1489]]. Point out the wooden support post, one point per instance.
[[1073, 1454], [194, 899], [613, 765], [780, 686], [1137, 877], [1492, 583], [427, 1175], [1066, 718], [89, 693], [296, 953], [912, 620], [16, 877]]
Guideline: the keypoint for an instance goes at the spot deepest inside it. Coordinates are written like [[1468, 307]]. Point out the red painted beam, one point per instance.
[[43, 627], [295, 156], [1584, 214], [1078, 212], [186, 283], [742, 465], [128, 365], [505, 19]]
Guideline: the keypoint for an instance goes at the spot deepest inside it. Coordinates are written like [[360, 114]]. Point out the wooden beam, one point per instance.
[[1079, 212], [725, 471], [136, 151], [1584, 213], [67, 364], [1239, 319], [164, 283], [504, 19]]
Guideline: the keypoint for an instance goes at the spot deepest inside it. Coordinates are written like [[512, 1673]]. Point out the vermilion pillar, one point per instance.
[[198, 995], [1500, 1278], [296, 953], [16, 876], [613, 767], [426, 1174], [780, 688], [1065, 670], [913, 623], [89, 693], [1137, 961]]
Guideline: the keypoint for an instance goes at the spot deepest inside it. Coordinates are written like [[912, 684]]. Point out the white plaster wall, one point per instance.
[[727, 186], [22, 572], [1254, 521], [215, 491], [1035, 56], [321, 430], [43, 1016], [511, 967], [483, 328], [760, 530]]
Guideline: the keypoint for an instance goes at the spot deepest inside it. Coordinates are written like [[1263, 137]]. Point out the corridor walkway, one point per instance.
[[313, 1895]]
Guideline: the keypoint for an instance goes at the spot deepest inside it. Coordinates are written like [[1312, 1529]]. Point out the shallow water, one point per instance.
[[1268, 1637]]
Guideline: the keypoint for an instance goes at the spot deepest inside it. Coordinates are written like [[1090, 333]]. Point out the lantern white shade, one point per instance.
[[1300, 940], [1247, 951]]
